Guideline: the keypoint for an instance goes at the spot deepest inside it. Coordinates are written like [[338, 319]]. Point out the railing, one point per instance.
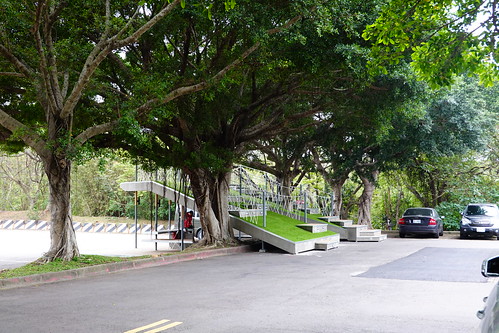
[[255, 189]]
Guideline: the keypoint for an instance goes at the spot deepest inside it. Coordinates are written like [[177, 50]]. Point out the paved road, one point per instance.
[[359, 287]]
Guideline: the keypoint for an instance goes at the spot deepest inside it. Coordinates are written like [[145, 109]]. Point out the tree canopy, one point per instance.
[[289, 75], [444, 38], [57, 89]]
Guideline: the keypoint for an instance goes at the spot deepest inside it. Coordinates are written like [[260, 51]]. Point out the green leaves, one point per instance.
[[230, 4], [441, 37]]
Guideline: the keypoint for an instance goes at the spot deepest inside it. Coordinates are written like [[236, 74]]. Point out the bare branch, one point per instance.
[[102, 50], [147, 26], [65, 85], [23, 68], [46, 67], [261, 166], [12, 74], [29, 137], [94, 131]]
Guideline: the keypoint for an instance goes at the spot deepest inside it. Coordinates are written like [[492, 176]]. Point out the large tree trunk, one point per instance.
[[365, 201], [211, 196], [58, 170], [285, 191], [62, 235], [338, 197]]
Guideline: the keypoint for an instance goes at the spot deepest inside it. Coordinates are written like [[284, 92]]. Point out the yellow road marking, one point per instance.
[[159, 329], [147, 326]]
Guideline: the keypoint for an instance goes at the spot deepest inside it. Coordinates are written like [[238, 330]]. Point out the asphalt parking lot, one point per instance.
[[399, 285]]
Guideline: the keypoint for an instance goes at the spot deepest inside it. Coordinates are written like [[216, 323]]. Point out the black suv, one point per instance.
[[480, 220]]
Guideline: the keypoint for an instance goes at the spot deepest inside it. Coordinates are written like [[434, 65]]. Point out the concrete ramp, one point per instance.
[[320, 243], [161, 190]]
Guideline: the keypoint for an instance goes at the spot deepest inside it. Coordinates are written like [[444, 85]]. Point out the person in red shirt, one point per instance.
[[188, 220]]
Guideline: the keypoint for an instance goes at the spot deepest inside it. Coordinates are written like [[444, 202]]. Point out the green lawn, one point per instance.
[[59, 265], [286, 227]]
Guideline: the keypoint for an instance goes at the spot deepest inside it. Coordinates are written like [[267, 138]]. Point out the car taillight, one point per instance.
[[432, 222], [401, 221]]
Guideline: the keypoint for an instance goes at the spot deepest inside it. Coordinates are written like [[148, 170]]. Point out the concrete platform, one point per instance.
[[246, 212], [313, 227], [336, 220]]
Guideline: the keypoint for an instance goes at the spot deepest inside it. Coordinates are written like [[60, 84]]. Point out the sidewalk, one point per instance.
[[19, 247]]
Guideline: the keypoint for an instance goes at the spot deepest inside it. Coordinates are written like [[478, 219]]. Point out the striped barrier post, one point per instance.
[[31, 224]]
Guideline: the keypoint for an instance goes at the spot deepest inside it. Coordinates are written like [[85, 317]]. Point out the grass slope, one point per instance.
[[286, 227]]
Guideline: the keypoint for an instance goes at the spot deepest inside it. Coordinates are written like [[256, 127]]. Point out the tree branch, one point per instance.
[[23, 68], [94, 131], [101, 51], [12, 74], [29, 137], [144, 28], [181, 91], [261, 166]]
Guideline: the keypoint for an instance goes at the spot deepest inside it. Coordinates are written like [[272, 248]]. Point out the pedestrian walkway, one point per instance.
[[19, 247]]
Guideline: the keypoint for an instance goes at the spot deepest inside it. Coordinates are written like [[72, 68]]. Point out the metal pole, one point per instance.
[[240, 193], [264, 208], [156, 219], [332, 204], [305, 206], [241, 181], [136, 217], [169, 214], [136, 201]]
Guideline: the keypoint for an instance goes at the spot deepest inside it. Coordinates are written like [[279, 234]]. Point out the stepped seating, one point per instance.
[[246, 212], [311, 210], [354, 232], [327, 245], [313, 227]]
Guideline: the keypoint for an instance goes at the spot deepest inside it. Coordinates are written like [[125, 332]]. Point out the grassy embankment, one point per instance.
[[286, 227]]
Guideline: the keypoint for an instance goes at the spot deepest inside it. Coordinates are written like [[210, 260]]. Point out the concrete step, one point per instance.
[[326, 245], [353, 231], [246, 212], [378, 238], [336, 220], [311, 210], [313, 227], [370, 232]]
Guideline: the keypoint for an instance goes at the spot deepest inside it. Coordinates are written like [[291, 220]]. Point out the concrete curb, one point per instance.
[[395, 234], [96, 270]]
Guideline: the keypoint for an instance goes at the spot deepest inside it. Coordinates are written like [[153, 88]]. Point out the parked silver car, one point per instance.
[[490, 313], [480, 219]]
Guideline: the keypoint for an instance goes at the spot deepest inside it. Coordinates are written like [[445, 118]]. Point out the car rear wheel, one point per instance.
[[441, 232], [401, 235], [436, 235]]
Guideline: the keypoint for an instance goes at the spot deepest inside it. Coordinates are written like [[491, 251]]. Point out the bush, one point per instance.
[[452, 212]]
